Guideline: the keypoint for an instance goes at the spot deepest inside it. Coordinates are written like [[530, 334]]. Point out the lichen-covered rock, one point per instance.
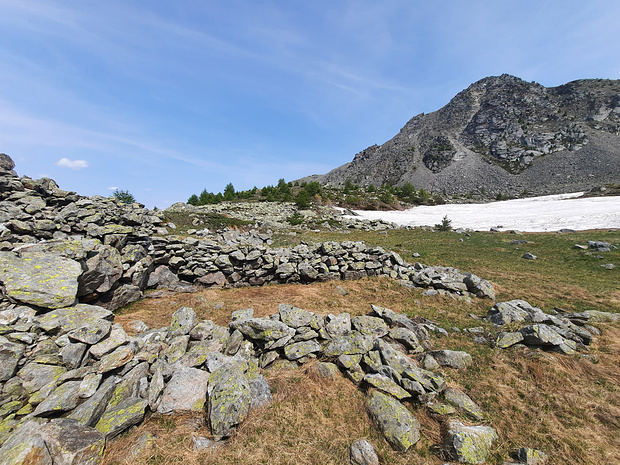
[[468, 444], [10, 354], [452, 358], [116, 337], [260, 391], [529, 456], [185, 392], [64, 398], [91, 334], [119, 357], [229, 397], [541, 335], [463, 402], [512, 311], [505, 340], [385, 384], [35, 375], [25, 449], [350, 344], [89, 412], [399, 427], [117, 419], [183, 320], [338, 325], [64, 320], [370, 325], [47, 281], [293, 316], [263, 329], [298, 350]]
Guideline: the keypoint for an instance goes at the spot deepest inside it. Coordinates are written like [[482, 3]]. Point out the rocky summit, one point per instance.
[[502, 135]]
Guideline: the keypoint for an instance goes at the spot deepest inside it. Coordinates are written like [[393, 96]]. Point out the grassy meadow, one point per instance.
[[567, 406]]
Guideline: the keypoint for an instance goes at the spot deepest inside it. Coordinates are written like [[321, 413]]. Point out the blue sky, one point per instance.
[[165, 98]]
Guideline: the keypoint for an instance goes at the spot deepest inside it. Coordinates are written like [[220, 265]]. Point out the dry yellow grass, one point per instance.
[[568, 406]]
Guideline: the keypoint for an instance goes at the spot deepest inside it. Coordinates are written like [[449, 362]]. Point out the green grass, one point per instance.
[[562, 276]]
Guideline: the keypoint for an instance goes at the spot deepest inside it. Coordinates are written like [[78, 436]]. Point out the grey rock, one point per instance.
[[89, 412], [89, 385], [35, 375], [541, 335], [350, 344], [130, 384], [242, 314], [229, 397], [298, 350], [10, 355], [263, 329], [385, 384], [505, 340], [293, 316], [512, 311], [64, 320], [48, 281], [183, 320], [117, 419], [469, 444], [63, 399], [260, 392], [363, 453], [116, 338], [464, 403], [185, 392], [119, 357], [70, 443], [452, 358], [370, 325], [529, 256], [93, 333], [72, 354], [22, 448], [338, 325], [399, 427]]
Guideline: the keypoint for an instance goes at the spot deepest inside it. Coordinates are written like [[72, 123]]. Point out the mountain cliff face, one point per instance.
[[502, 135]]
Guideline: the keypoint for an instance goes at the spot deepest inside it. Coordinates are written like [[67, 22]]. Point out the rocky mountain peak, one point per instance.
[[502, 134]]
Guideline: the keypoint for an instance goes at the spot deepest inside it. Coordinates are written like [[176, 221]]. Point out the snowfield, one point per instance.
[[537, 214]]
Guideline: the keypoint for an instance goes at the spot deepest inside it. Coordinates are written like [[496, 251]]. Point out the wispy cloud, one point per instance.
[[72, 164]]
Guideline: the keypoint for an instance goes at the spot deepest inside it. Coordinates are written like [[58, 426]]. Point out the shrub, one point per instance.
[[445, 225], [124, 196], [295, 219]]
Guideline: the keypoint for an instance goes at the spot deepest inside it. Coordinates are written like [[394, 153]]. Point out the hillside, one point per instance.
[[502, 135]]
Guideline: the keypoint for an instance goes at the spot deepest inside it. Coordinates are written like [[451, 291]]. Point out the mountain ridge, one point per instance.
[[501, 135]]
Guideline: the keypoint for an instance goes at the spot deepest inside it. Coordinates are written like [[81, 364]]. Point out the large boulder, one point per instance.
[[399, 427], [47, 281], [229, 399]]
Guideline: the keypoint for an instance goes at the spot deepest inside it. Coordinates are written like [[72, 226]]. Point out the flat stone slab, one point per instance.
[[117, 419], [47, 281], [67, 319]]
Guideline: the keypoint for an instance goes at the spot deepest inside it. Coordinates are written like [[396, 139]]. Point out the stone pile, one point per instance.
[[53, 241], [72, 378], [276, 214], [562, 332]]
